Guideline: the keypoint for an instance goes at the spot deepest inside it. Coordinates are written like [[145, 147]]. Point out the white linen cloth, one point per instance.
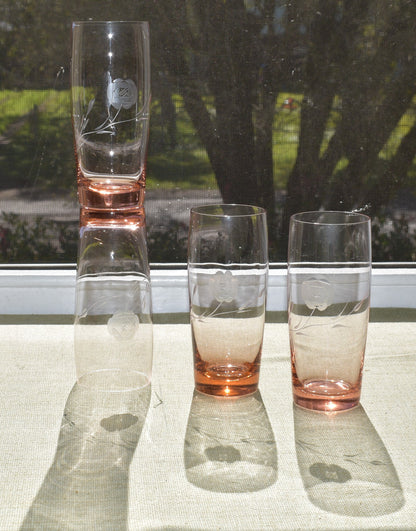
[[182, 469]]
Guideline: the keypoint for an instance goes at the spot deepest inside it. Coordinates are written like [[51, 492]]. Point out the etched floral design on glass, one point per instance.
[[224, 286], [110, 83], [328, 303], [227, 272]]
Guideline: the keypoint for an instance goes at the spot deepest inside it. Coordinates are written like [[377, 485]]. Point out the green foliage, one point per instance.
[[39, 240], [168, 244], [38, 151], [15, 105], [286, 127], [393, 241], [350, 69]]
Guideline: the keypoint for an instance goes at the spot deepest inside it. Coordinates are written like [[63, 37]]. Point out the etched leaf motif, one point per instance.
[[359, 306], [317, 294], [85, 118], [121, 94], [90, 106]]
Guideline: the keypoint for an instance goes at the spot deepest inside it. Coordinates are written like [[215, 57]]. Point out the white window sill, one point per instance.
[[41, 290]]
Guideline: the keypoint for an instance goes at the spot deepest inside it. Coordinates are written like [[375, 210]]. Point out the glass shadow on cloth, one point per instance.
[[229, 444], [87, 484], [344, 464]]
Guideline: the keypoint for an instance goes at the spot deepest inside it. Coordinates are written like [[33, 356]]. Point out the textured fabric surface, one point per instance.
[[75, 459]]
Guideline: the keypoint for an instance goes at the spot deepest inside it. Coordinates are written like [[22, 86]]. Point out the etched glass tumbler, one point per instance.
[[227, 278], [329, 274], [110, 80], [113, 329]]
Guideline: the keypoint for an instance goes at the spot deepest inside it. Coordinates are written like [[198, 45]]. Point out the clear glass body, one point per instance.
[[113, 318], [227, 275], [110, 85], [329, 274]]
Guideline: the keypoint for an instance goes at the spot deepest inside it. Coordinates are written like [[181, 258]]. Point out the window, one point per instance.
[[294, 106]]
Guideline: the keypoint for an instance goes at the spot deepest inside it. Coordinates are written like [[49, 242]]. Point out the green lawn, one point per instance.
[[15, 104]]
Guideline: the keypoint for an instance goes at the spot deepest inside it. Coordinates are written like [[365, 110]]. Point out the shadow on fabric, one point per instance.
[[229, 444], [344, 464], [87, 485]]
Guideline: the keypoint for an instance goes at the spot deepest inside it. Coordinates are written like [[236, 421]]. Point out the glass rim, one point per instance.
[[302, 217], [106, 22], [209, 210]]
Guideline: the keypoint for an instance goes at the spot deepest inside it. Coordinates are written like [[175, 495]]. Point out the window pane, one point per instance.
[[293, 106]]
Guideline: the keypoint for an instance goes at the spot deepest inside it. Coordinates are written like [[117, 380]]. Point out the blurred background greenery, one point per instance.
[[294, 106]]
